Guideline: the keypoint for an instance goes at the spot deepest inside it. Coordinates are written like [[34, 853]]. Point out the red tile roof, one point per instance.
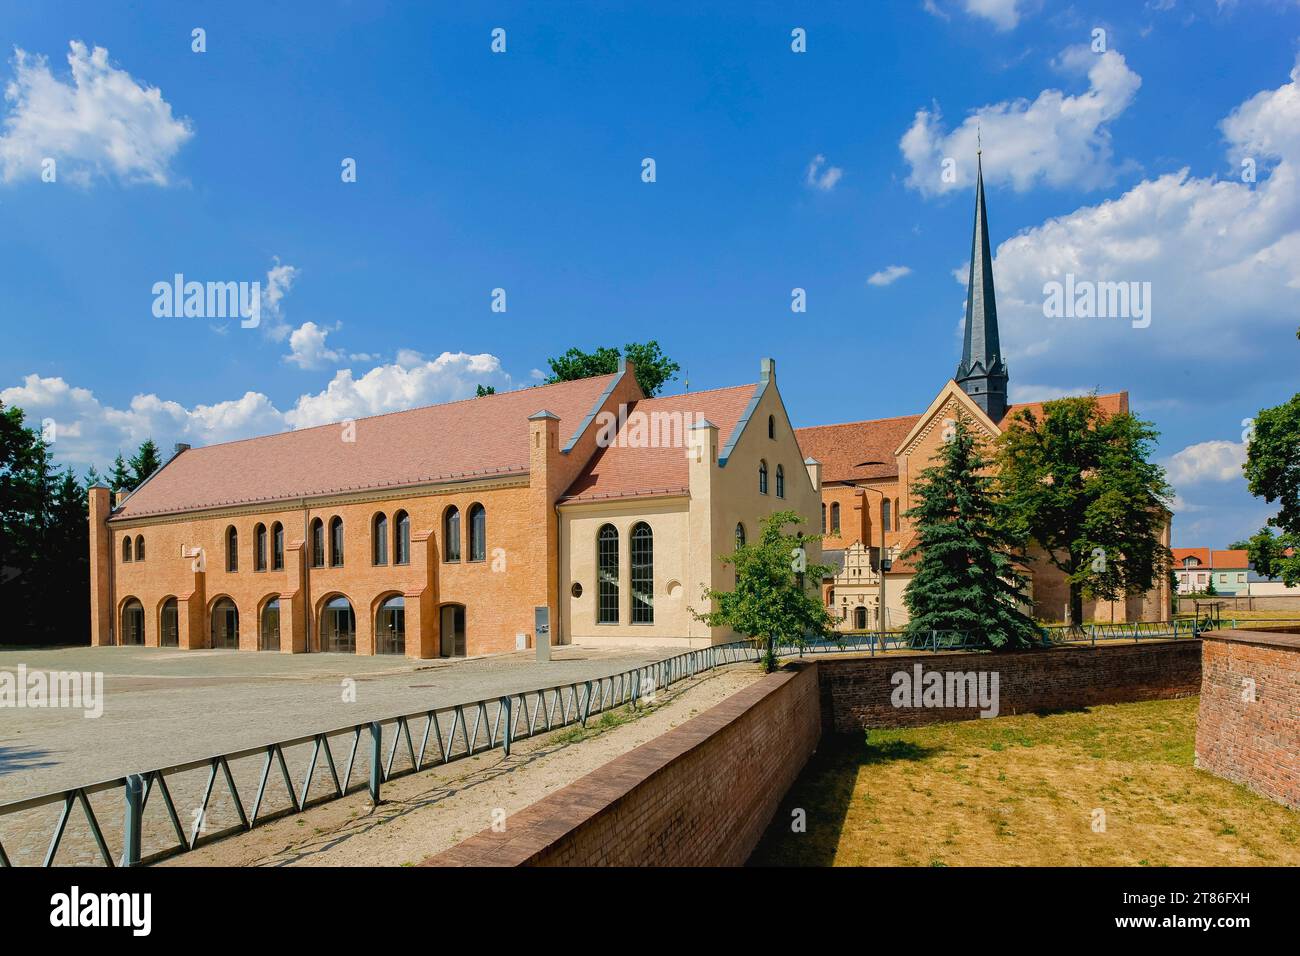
[[623, 471], [857, 450], [475, 437], [1217, 558]]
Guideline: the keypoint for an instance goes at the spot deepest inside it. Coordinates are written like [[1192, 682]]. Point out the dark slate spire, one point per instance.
[[982, 374]]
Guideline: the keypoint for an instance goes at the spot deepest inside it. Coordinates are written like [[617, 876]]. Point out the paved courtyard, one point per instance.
[[164, 706]]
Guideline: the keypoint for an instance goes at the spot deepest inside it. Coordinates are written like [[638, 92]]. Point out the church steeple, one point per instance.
[[982, 373]]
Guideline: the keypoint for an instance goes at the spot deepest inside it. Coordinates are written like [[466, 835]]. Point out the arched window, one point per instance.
[[835, 517], [336, 542], [898, 516], [259, 547], [762, 477], [477, 533], [771, 426], [379, 539], [643, 574], [823, 517], [126, 550], [780, 481], [451, 534], [740, 535], [277, 547], [402, 539], [139, 547], [390, 630], [269, 637], [338, 626], [232, 549], [317, 543], [884, 514], [607, 575], [132, 623]]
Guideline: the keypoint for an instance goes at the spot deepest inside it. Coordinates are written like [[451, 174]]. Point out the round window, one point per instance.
[[576, 590]]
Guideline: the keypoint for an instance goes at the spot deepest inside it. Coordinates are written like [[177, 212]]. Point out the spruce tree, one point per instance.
[[144, 463], [966, 577], [119, 479]]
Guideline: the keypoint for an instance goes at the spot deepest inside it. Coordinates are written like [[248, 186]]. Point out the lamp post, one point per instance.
[[884, 561]]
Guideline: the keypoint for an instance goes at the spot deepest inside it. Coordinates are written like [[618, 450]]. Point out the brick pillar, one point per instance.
[[423, 620], [293, 603], [544, 489], [101, 567]]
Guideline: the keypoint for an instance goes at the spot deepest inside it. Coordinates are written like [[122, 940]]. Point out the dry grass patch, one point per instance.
[[1029, 790]]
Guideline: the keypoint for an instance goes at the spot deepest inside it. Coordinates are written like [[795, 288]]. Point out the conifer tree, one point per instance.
[[119, 479], [966, 577], [144, 463]]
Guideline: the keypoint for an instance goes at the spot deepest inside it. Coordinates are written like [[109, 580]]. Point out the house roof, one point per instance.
[[860, 451], [477, 437], [1226, 559], [623, 469]]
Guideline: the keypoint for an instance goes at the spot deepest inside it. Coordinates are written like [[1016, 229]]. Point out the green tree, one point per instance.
[[1273, 473], [481, 390], [653, 368], [119, 479], [1081, 484], [1264, 548], [966, 577], [144, 463], [777, 594]]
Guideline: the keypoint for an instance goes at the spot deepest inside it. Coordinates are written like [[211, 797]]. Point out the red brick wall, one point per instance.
[[1255, 742], [700, 795], [856, 692]]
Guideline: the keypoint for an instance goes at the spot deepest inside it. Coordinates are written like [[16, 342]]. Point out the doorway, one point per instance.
[[338, 630], [453, 630]]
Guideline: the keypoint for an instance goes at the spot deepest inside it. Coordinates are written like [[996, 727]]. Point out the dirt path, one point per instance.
[[428, 812]]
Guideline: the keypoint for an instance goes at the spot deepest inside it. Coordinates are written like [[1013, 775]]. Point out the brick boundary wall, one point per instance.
[[856, 692], [1254, 743], [701, 794]]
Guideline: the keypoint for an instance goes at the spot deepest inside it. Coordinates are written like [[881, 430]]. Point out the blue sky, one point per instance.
[[522, 170]]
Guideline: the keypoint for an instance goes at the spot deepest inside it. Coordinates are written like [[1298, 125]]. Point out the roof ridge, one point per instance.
[[396, 411], [865, 421], [704, 391]]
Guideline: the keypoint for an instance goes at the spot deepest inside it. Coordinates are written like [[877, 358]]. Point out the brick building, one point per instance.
[[868, 469], [440, 531]]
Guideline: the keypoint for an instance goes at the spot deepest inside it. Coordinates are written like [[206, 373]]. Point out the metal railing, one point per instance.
[[1136, 631], [377, 751]]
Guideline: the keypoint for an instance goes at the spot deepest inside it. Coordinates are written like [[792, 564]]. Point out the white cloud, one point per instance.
[[279, 280], [1003, 14], [101, 123], [307, 348], [90, 432], [1057, 138], [888, 275], [1207, 461], [1222, 257], [820, 176]]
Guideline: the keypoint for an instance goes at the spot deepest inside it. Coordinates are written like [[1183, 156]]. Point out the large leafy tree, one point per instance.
[[777, 593], [1081, 484], [966, 576], [653, 368], [1273, 473]]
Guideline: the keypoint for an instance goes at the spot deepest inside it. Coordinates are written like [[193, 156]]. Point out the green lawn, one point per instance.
[[1107, 786]]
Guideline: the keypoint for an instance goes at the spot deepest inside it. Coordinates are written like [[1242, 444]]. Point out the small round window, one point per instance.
[[576, 590]]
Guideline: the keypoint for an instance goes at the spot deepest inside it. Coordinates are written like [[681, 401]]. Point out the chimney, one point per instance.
[[180, 447], [118, 498], [814, 472], [767, 370]]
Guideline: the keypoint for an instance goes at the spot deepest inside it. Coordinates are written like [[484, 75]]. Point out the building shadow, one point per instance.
[[820, 798], [18, 759]]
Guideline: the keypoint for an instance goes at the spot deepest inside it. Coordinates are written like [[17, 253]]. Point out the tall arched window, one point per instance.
[[336, 542], [477, 533], [379, 539], [277, 547], [139, 547], [451, 534], [771, 426], [780, 481], [607, 575], [317, 543], [762, 477], [259, 547], [126, 550], [643, 574], [402, 538], [823, 517], [740, 535], [835, 517], [390, 628], [132, 623], [268, 638], [884, 514], [225, 624], [168, 624], [232, 549]]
